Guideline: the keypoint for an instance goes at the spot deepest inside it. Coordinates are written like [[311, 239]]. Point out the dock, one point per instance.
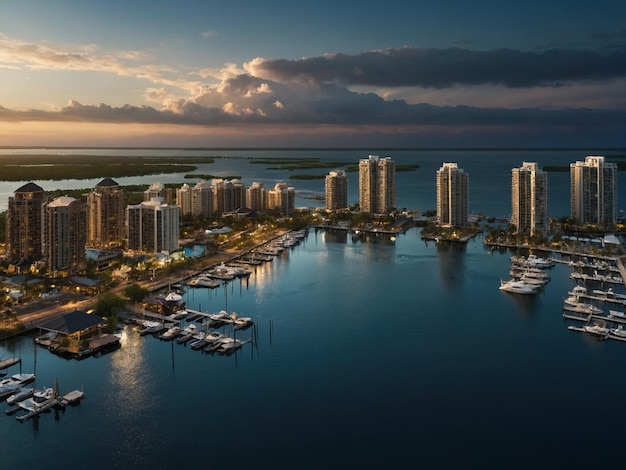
[[6, 363], [73, 397]]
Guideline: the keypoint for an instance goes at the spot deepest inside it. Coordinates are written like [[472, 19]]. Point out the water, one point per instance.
[[370, 354], [489, 172]]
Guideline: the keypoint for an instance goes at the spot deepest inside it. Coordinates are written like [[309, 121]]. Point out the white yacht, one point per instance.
[[41, 400], [597, 329], [518, 287], [582, 307], [205, 281], [532, 261], [171, 333], [618, 333]]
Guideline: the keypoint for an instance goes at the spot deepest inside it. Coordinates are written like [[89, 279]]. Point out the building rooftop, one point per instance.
[[107, 182], [29, 188], [62, 201], [72, 322]]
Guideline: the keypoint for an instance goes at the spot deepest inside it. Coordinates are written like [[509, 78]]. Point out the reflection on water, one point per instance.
[[129, 375], [451, 257]]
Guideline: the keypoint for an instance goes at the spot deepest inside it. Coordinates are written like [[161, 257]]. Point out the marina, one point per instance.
[[316, 387]]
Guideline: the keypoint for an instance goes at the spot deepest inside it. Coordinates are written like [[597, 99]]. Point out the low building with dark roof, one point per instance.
[[72, 332]]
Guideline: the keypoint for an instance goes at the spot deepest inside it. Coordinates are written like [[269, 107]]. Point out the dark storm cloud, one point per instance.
[[442, 68]]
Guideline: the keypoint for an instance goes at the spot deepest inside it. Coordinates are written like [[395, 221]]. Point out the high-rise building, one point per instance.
[[158, 189], [256, 197], [105, 215], [64, 234], [183, 199], [24, 223], [377, 185], [452, 196], [228, 195], [202, 199], [336, 189], [152, 226], [238, 195], [529, 199], [282, 197], [593, 192]]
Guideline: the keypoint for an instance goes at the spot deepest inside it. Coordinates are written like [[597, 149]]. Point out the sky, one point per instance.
[[445, 73]]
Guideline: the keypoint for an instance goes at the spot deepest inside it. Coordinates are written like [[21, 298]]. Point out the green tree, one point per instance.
[[136, 293], [108, 305]]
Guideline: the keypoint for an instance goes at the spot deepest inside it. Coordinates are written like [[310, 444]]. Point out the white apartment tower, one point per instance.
[[282, 197], [593, 192], [452, 196], [377, 186], [183, 199], [529, 199], [152, 226], [256, 197], [336, 189], [202, 199]]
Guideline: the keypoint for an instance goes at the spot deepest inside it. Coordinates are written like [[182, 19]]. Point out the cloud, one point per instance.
[[16, 54], [444, 68], [394, 90]]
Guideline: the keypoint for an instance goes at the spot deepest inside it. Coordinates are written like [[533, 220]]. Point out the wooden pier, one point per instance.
[[6, 363]]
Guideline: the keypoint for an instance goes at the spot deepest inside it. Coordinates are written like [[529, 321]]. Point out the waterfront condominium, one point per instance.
[[256, 197], [282, 197], [202, 199], [64, 235], [152, 227], [228, 195], [105, 215], [452, 196], [377, 185], [593, 191], [158, 189], [183, 199], [24, 223], [529, 199], [336, 186]]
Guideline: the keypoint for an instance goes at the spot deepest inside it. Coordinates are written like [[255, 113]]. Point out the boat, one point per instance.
[[171, 333], [597, 329], [187, 333], [39, 402], [532, 261], [518, 287], [619, 332], [150, 328], [198, 342], [578, 291], [582, 307], [204, 280], [229, 347], [609, 294], [214, 336], [23, 379], [617, 314], [21, 394], [221, 272], [220, 318], [529, 273], [241, 323]]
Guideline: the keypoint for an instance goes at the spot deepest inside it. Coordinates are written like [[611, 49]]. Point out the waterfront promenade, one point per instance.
[[32, 313]]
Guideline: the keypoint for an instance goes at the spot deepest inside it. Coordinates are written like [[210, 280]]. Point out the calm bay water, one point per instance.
[[370, 354]]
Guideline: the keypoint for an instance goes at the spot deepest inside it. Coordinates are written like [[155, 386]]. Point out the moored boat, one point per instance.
[[21, 394], [582, 307], [518, 287]]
